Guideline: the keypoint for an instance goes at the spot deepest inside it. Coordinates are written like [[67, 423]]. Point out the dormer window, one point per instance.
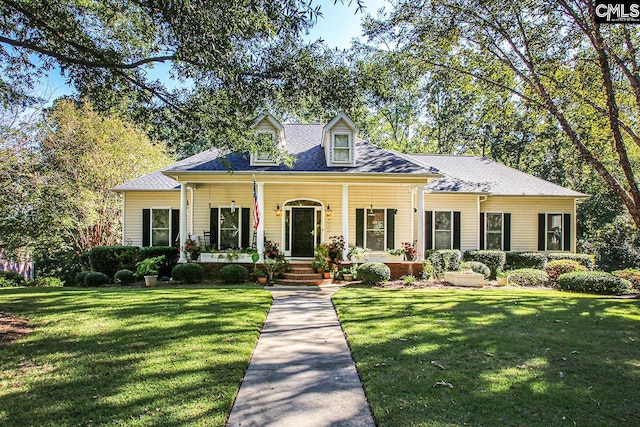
[[266, 138], [341, 148]]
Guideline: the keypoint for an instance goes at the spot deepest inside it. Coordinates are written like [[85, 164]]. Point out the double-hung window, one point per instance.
[[341, 148], [266, 139], [376, 229], [160, 227], [229, 223], [443, 230], [494, 230], [554, 232]]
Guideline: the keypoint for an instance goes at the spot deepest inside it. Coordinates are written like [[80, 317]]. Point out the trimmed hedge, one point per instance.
[[372, 273], [630, 274], [234, 273], [124, 277], [589, 261], [529, 277], [593, 282], [477, 267], [561, 266], [110, 259], [95, 279], [11, 276], [171, 255], [188, 273], [492, 259], [518, 260], [79, 280], [442, 260]]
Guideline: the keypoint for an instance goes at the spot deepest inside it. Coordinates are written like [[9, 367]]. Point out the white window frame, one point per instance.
[[546, 231], [433, 237], [237, 209], [151, 227], [384, 216], [256, 160], [349, 147], [486, 229]]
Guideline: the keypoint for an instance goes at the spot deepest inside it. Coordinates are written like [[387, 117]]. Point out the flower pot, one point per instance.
[[348, 277], [262, 280], [327, 275], [151, 280], [502, 281]]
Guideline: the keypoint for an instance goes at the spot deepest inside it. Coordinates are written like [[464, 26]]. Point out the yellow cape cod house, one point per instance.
[[341, 185]]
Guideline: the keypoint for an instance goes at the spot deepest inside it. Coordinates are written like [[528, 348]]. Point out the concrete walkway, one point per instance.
[[301, 372]]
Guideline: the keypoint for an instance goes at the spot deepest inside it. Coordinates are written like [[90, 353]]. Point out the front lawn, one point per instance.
[[134, 357], [432, 357]]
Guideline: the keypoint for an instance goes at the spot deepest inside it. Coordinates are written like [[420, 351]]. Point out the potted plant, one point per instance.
[[409, 249], [321, 258], [261, 275], [148, 268], [192, 247], [346, 274], [502, 277]]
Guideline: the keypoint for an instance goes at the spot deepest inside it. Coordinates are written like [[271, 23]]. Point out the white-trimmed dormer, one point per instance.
[[338, 141], [269, 131]]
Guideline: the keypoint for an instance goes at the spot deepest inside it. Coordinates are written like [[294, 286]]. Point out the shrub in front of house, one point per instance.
[[94, 279], [372, 273], [79, 280], [10, 276], [529, 277], [110, 259], [124, 277], [234, 273], [45, 282], [518, 260], [630, 274], [476, 267], [441, 261], [62, 265], [493, 259], [188, 273], [593, 282], [561, 266], [589, 261], [171, 255]]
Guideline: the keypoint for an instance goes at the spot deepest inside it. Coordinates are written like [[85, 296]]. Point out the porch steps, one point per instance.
[[301, 274]]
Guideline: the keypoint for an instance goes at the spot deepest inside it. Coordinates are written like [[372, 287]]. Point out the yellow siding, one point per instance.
[[524, 217], [265, 125], [135, 202], [467, 205]]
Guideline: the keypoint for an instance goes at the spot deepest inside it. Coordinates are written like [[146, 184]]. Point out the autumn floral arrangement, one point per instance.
[[271, 249], [335, 250], [409, 250]]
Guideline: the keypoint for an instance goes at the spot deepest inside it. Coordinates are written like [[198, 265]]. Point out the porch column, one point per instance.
[[345, 219], [260, 230], [421, 241], [183, 220]]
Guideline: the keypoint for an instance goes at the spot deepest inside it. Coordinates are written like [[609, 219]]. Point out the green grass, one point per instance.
[[134, 357], [514, 358]]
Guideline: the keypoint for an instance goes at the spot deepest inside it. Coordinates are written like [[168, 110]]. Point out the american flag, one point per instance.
[[256, 211]]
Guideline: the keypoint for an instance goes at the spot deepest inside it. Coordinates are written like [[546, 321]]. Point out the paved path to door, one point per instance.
[[301, 373]]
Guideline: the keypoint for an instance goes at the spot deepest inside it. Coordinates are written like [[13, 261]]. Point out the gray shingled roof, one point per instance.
[[474, 174], [303, 142]]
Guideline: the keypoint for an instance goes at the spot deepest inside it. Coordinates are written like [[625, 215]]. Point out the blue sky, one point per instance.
[[337, 27]]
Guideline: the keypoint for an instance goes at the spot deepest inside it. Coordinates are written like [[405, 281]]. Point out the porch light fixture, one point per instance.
[[278, 211], [329, 213], [233, 206]]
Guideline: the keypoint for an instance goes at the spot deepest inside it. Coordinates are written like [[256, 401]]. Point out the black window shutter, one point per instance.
[[566, 241], [391, 226], [360, 228], [175, 227], [246, 218], [456, 230], [482, 215], [146, 227], [213, 226], [542, 232], [428, 230], [506, 237]]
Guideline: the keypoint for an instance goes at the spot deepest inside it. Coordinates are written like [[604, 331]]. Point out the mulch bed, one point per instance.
[[12, 328]]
